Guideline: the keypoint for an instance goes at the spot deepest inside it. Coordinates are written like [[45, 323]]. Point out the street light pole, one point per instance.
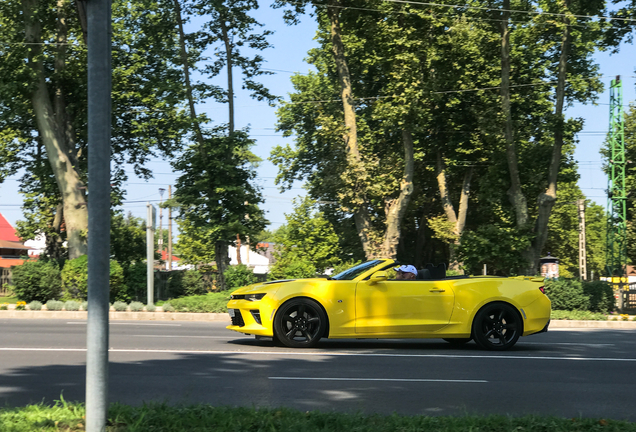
[[98, 13], [160, 239]]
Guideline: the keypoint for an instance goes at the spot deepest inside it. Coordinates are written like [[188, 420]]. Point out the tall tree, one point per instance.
[[43, 96], [230, 24]]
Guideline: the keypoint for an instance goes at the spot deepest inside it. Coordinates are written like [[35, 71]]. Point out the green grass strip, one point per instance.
[[578, 315], [158, 417]]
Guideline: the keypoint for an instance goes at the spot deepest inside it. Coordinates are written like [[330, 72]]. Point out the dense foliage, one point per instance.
[[239, 276], [75, 280], [209, 303], [37, 280], [571, 294]]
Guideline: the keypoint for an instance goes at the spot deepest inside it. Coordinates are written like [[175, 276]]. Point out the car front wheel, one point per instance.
[[497, 327], [300, 323]]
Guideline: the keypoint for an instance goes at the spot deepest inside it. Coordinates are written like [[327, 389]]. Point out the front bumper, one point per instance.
[[250, 317]]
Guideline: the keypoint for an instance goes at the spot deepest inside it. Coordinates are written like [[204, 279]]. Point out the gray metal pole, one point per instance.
[[150, 252], [582, 247], [170, 230], [99, 122]]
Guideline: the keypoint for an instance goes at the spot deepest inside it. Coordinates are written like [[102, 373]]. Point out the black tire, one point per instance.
[[300, 323], [497, 327], [458, 341]]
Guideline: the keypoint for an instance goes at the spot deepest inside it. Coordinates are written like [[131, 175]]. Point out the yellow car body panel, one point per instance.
[[368, 308]]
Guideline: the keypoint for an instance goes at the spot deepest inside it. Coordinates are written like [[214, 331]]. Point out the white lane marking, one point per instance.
[[137, 324], [591, 345], [378, 379], [191, 337], [330, 354]]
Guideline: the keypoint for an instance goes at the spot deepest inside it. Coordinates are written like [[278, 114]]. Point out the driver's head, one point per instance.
[[406, 272]]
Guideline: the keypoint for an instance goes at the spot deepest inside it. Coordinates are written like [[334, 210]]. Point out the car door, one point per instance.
[[399, 306]]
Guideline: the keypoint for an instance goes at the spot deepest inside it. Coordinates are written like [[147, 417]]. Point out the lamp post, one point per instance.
[[160, 239]]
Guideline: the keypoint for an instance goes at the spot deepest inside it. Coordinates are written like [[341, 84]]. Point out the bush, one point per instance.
[[577, 315], [601, 296], [54, 305], [37, 280], [85, 305], [193, 283], [35, 305], [167, 307], [136, 306], [239, 276], [120, 306], [75, 279], [572, 295], [136, 281], [72, 305], [4, 306], [290, 268], [20, 305], [151, 308], [210, 303]]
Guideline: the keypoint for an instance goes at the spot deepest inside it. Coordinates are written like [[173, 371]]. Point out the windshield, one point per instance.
[[356, 271]]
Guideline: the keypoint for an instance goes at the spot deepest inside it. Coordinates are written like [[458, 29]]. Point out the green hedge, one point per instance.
[[209, 303], [37, 280], [75, 280], [574, 295]]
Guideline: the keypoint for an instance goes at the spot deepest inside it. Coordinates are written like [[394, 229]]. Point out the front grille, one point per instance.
[[237, 319], [257, 315]]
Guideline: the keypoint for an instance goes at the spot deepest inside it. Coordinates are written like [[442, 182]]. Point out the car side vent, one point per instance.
[[237, 319], [257, 316]]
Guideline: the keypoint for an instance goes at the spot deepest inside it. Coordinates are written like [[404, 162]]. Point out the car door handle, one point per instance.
[[437, 290]]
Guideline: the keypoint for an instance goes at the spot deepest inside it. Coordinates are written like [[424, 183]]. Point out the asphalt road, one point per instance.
[[567, 373]]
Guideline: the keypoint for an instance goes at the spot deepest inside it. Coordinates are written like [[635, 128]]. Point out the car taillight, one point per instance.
[[542, 289]]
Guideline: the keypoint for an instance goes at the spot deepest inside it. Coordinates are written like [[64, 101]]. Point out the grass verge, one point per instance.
[[578, 315], [164, 418], [209, 303], [10, 300]]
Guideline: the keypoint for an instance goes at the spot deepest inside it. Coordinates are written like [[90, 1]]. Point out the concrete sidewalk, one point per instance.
[[185, 316]]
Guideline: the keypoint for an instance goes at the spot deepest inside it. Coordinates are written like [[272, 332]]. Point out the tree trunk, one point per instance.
[[356, 168], [222, 262], [515, 194], [52, 132], [53, 241], [457, 219], [186, 74], [396, 208], [547, 199], [229, 66]]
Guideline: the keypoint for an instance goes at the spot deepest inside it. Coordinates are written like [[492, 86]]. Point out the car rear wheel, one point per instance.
[[497, 327], [300, 323], [458, 341]]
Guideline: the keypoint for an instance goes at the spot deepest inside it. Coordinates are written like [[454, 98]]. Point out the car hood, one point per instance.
[[269, 286]]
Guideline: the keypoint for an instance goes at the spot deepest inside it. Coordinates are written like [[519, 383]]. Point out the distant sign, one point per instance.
[[151, 220]]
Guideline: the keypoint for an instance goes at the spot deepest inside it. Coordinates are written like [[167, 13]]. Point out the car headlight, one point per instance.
[[250, 297]]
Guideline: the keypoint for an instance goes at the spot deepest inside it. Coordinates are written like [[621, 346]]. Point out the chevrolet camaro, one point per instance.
[[363, 302]]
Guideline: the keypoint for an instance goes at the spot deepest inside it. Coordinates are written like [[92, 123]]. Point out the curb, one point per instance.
[[592, 324], [140, 316]]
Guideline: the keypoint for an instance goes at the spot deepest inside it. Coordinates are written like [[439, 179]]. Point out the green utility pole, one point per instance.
[[616, 193]]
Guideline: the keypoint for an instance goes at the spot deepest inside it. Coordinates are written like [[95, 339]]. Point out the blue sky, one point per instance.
[[291, 44]]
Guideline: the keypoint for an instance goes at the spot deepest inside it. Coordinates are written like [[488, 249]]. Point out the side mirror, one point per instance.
[[378, 277]]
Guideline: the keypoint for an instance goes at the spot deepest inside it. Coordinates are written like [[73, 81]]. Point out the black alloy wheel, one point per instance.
[[458, 341], [300, 323], [497, 327]]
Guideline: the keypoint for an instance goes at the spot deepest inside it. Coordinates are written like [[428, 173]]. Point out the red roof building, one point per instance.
[[6, 230], [11, 248]]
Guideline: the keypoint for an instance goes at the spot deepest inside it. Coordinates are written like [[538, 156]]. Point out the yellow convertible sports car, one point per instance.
[[362, 302]]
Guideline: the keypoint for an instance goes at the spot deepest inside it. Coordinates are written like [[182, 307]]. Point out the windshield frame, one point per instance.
[[356, 271]]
